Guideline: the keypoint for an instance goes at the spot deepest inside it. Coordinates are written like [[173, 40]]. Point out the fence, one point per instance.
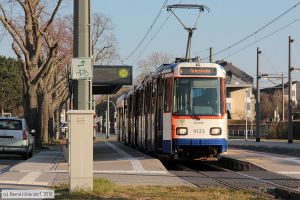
[[239, 131]]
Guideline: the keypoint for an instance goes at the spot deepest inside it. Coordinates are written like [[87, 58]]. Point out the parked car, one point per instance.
[[64, 128], [15, 137]]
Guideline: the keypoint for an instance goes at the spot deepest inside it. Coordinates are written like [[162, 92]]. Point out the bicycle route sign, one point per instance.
[[81, 68]]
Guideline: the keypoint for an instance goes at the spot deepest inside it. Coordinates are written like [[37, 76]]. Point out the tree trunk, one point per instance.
[[32, 113], [45, 118], [57, 124]]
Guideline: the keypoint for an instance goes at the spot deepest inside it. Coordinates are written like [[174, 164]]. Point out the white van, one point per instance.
[[15, 137]]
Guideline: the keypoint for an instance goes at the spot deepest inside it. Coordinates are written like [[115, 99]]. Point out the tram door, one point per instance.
[[153, 115], [136, 118], [167, 116], [159, 113], [129, 122]]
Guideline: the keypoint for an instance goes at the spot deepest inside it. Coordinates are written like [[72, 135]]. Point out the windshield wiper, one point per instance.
[[194, 116]]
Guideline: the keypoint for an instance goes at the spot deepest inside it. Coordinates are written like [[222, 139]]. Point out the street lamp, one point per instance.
[[107, 115], [246, 115], [109, 102]]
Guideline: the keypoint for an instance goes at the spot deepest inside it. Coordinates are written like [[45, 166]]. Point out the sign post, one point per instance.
[[80, 120], [81, 69]]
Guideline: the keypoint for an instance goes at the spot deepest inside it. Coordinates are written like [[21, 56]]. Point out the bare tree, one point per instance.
[[36, 43], [43, 44], [148, 65], [103, 40], [271, 102]]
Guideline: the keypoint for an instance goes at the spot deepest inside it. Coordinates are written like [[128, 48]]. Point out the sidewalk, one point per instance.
[[275, 156], [270, 146], [36, 171], [112, 160]]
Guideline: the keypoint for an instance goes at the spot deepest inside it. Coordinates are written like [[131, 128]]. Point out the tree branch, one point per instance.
[[36, 33], [53, 15], [102, 50], [61, 98], [50, 74], [57, 87], [18, 53], [12, 30]]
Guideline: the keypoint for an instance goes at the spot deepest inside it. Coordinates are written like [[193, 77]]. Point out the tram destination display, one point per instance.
[[198, 71]]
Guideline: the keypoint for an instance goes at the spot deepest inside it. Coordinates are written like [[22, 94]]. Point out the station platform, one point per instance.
[[284, 159], [112, 160], [126, 166], [269, 146]]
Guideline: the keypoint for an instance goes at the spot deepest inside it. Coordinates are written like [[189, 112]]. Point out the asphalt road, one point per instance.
[[8, 160]]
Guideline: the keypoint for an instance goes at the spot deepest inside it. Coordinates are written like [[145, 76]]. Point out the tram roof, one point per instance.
[[164, 67], [121, 99]]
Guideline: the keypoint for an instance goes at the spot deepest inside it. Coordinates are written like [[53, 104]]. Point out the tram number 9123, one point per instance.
[[199, 131]]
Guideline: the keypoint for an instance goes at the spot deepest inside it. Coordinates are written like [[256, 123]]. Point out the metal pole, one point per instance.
[[189, 42], [2, 101], [107, 118], [246, 116], [210, 54], [257, 97], [80, 144], [290, 127], [282, 98], [82, 49]]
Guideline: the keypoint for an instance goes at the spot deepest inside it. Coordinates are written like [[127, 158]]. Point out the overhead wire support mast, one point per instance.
[[290, 104], [190, 30], [277, 76]]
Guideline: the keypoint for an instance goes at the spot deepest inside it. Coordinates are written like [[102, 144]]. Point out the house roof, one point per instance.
[[231, 69], [278, 87]]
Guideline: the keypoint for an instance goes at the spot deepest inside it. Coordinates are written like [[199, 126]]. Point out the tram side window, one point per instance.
[[168, 95], [148, 98], [153, 96]]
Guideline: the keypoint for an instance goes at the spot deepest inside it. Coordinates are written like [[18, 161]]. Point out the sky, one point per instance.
[[226, 23]]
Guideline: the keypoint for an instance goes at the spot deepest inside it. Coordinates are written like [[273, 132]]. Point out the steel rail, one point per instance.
[[257, 179], [250, 190]]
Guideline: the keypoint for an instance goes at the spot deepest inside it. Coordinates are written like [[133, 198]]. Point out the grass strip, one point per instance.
[[105, 189]]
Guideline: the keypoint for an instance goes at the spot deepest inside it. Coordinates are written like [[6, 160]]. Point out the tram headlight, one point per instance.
[[181, 131], [215, 131]]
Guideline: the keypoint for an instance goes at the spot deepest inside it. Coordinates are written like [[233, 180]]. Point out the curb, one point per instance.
[[273, 149]]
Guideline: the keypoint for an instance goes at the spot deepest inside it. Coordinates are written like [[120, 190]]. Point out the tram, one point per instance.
[[179, 110]]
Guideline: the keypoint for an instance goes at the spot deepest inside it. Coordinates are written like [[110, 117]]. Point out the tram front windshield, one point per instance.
[[197, 96]]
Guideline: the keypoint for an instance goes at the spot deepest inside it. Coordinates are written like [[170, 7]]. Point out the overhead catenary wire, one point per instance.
[[257, 31], [262, 38], [154, 36], [269, 61], [150, 41], [147, 33]]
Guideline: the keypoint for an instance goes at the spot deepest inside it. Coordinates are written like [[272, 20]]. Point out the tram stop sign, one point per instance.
[[108, 79]]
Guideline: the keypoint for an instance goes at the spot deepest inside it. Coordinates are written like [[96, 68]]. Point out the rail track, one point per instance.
[[210, 174]]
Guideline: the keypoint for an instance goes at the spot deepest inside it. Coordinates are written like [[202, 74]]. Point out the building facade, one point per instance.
[[240, 98], [277, 103]]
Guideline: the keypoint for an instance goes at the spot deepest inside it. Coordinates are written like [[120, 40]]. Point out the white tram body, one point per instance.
[[179, 110]]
